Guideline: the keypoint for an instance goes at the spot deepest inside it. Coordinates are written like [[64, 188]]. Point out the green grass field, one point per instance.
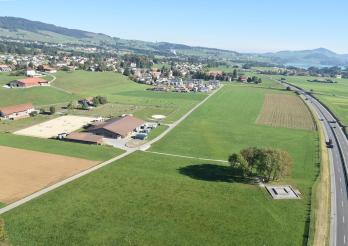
[[120, 90], [151, 199], [335, 96], [90, 152], [128, 95], [156, 132], [36, 95]]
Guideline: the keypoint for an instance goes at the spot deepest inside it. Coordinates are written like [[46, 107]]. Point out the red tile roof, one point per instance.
[[32, 81], [16, 109]]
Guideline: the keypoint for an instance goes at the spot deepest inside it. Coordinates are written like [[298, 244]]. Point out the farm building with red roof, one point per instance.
[[16, 111], [28, 82]]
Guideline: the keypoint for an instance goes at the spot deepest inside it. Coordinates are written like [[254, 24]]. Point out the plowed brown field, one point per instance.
[[288, 111], [22, 172]]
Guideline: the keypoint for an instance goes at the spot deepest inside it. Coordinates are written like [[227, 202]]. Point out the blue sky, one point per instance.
[[246, 26]]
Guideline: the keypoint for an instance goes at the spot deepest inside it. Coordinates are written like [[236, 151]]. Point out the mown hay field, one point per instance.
[[288, 111]]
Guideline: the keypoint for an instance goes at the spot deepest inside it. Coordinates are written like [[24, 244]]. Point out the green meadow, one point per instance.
[[125, 95], [120, 90], [152, 199], [89, 152], [37, 95]]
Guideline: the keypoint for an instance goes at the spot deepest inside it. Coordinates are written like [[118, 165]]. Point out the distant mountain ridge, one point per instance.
[[320, 56], [23, 29]]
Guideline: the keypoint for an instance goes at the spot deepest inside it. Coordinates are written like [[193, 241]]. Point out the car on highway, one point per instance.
[[329, 144]]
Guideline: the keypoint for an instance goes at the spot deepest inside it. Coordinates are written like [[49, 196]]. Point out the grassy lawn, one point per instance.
[[147, 199], [36, 95], [120, 90], [226, 69], [335, 96], [90, 152], [157, 131], [150, 199]]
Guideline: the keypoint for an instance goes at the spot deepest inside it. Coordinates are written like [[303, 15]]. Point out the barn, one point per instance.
[[16, 111], [28, 82], [120, 127]]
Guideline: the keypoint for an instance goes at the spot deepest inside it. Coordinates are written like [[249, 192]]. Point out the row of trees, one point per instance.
[[254, 79], [270, 164]]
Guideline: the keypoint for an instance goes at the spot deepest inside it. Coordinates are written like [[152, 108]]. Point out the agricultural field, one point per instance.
[[122, 91], [226, 69], [154, 199], [89, 152], [334, 95], [37, 95], [287, 111], [40, 170]]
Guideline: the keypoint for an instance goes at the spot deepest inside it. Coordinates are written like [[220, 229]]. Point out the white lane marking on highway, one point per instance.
[[340, 180], [344, 239], [343, 219], [342, 204]]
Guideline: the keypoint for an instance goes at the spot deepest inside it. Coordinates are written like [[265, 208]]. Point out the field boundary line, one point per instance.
[[184, 156]]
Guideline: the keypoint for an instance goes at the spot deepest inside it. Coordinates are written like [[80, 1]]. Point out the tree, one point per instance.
[[271, 164], [252, 156], [238, 162], [234, 74], [96, 101], [52, 110], [33, 114], [103, 100], [42, 111], [259, 81], [126, 72], [71, 105]]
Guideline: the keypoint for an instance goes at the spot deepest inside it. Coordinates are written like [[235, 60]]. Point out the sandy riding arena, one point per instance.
[[51, 128], [23, 172]]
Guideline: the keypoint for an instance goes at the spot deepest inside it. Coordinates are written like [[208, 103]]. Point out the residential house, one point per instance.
[[5, 68]]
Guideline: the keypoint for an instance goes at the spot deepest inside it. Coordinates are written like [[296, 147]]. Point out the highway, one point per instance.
[[339, 169]]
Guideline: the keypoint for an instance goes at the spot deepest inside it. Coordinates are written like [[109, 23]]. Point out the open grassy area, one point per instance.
[[157, 131], [151, 199], [89, 152], [334, 95], [120, 90], [147, 199], [36, 95]]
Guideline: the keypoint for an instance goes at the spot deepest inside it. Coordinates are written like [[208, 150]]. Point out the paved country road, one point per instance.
[[339, 170], [88, 171]]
